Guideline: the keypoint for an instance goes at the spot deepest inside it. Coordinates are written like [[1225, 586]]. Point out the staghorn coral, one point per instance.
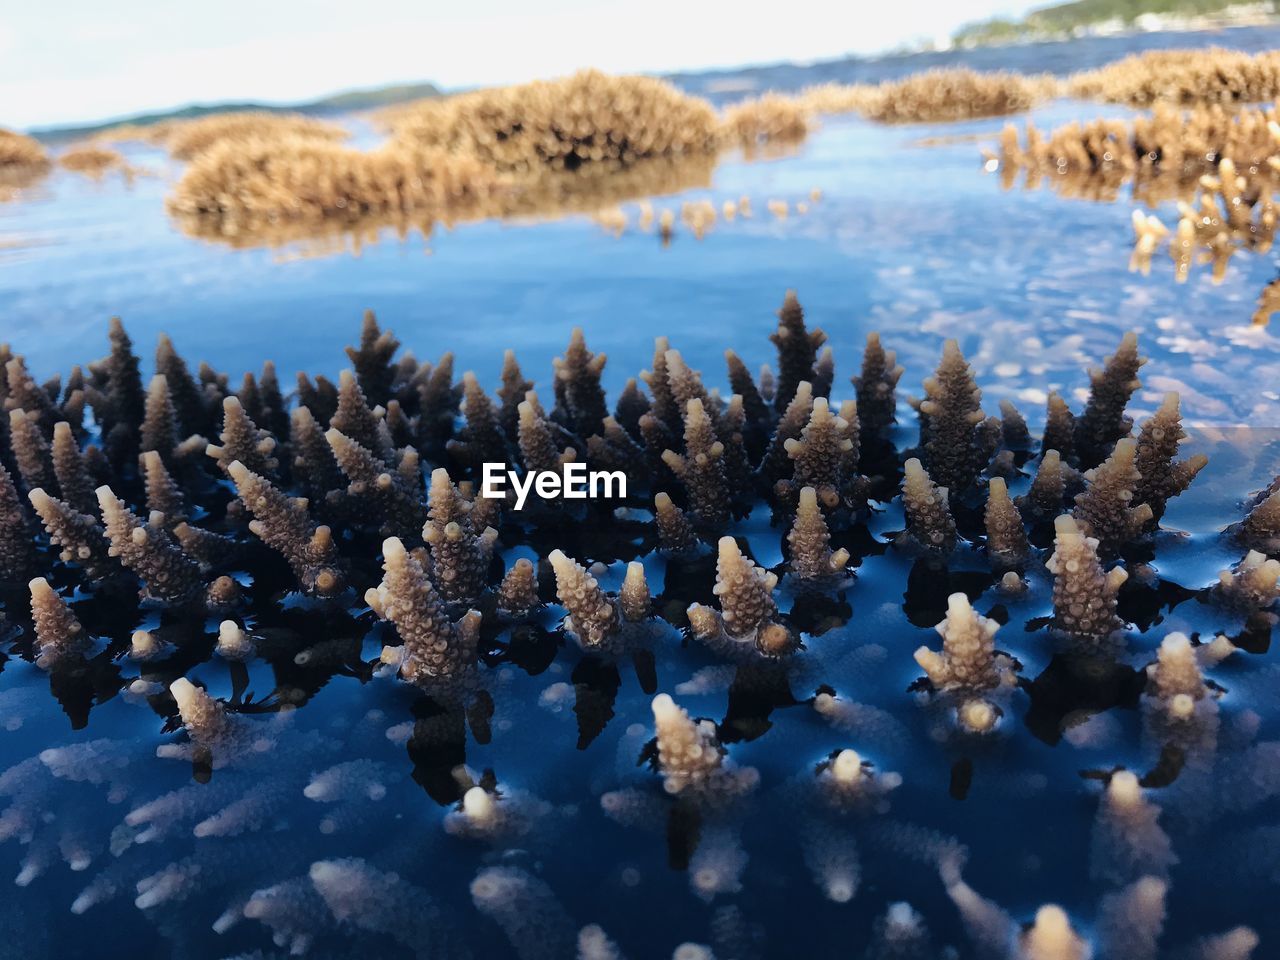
[[436, 652], [580, 404], [243, 442], [16, 554], [164, 495], [956, 94], [59, 635], [1182, 76], [80, 537], [1044, 497], [876, 385], [1107, 511], [1007, 545], [1103, 421], [1160, 476], [675, 533], [336, 775], [19, 151], [950, 414], [1260, 529], [1253, 584], [692, 760], [390, 494], [1084, 597], [745, 626], [927, 509], [92, 160], [460, 553], [518, 593], [968, 662], [167, 574], [30, 450], [593, 617], [354, 419], [770, 120], [823, 456], [701, 469], [578, 121], [812, 558], [1127, 842], [797, 350], [285, 525], [75, 485]]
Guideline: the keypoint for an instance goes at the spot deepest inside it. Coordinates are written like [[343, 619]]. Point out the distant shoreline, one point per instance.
[[1021, 34]]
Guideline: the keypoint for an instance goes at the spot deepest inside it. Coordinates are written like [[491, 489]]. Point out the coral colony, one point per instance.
[[378, 545]]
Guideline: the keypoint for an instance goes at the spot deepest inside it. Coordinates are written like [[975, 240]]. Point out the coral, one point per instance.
[[1043, 498], [876, 385], [390, 495], [1182, 76], [80, 537], [75, 485], [1107, 510], [691, 758], [1176, 671], [745, 625], [955, 94], [701, 469], [30, 450], [167, 574], [518, 594], [1084, 597], [1254, 582], [1051, 937], [1128, 842], [1160, 476], [526, 910], [460, 554], [1260, 529], [164, 496], [436, 651], [634, 599], [949, 417], [968, 662], [538, 450], [580, 404], [17, 150], [243, 441], [16, 554], [776, 462], [797, 350], [1103, 421], [585, 119], [593, 617], [810, 555], [159, 431], [769, 119], [675, 533], [1007, 546], [927, 509], [1059, 427], [354, 419], [285, 525], [59, 635], [823, 454]]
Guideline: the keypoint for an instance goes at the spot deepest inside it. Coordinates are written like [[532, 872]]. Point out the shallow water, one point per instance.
[[914, 241]]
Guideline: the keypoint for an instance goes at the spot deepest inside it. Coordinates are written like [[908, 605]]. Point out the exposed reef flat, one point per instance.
[[323, 695]]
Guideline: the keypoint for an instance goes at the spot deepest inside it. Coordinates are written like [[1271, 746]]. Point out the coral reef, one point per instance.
[[290, 746]]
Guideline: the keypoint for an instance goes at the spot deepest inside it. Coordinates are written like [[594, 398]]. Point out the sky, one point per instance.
[[68, 61]]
